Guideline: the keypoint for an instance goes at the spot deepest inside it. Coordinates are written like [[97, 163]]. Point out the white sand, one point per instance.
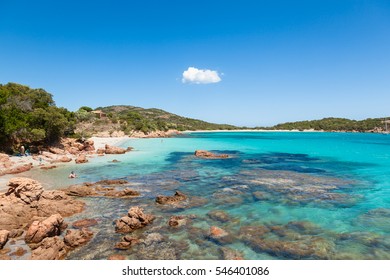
[[100, 142]]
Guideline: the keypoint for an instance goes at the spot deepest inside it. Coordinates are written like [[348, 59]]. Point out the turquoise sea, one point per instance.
[[281, 195]]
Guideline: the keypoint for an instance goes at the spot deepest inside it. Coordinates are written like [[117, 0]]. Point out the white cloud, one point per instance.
[[200, 76]]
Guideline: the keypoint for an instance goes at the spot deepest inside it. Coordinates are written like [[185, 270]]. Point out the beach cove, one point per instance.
[[278, 195]]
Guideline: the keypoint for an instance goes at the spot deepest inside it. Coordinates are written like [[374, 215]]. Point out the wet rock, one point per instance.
[[100, 151], [84, 223], [123, 193], [25, 189], [38, 231], [82, 158], [172, 200], [77, 237], [230, 254], [114, 150], [4, 235], [127, 242], [116, 258], [51, 248], [80, 190], [112, 182], [219, 215], [209, 155], [134, 220]]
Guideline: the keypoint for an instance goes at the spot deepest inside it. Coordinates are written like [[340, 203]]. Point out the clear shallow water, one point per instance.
[[286, 196]]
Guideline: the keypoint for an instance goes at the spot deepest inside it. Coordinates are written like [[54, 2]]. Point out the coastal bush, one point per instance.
[[30, 115]]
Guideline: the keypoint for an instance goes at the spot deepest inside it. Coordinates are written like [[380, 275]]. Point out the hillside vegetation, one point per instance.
[[335, 124], [30, 116]]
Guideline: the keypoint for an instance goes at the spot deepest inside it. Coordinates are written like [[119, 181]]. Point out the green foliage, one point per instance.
[[30, 115], [83, 115], [333, 124], [86, 108]]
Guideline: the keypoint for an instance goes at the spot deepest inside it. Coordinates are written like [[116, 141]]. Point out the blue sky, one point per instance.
[[277, 60]]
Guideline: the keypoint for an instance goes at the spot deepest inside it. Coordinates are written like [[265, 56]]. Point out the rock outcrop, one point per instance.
[[27, 190], [49, 227], [135, 219], [114, 150], [108, 188], [26, 199], [4, 234], [172, 200], [82, 158], [52, 248]]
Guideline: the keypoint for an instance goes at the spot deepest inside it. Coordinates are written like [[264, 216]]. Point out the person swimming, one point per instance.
[[72, 175]]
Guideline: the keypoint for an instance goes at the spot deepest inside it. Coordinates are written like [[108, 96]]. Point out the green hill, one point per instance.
[[335, 124], [147, 120]]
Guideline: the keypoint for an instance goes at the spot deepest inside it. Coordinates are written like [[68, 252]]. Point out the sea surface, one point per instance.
[[280, 195]]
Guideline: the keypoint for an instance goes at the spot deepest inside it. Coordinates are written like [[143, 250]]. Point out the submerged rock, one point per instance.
[[219, 235], [219, 215], [78, 237], [84, 223], [178, 221], [209, 155], [230, 254]]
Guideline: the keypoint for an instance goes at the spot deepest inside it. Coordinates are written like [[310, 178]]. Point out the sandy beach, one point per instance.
[[37, 161]]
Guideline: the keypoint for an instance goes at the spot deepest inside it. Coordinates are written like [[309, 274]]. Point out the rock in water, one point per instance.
[[135, 219], [178, 197], [81, 159], [77, 237], [114, 150]]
